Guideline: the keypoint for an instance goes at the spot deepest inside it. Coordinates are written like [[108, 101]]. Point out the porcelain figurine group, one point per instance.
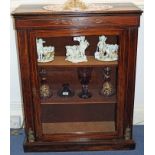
[[76, 53], [45, 53], [106, 52]]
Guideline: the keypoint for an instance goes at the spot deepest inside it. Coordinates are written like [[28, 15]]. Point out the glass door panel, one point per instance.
[[78, 83]]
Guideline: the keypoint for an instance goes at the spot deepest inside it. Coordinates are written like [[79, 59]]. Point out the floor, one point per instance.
[[16, 147]]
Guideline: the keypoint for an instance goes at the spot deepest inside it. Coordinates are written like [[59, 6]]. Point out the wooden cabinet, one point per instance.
[[72, 122]]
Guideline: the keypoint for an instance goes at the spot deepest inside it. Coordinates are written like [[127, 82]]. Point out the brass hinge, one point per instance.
[[127, 133], [31, 137]]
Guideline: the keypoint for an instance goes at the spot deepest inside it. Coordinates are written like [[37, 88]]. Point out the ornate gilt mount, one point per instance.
[[127, 133], [74, 4], [31, 137]]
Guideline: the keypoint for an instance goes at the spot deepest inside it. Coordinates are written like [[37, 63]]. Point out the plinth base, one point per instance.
[[98, 145]]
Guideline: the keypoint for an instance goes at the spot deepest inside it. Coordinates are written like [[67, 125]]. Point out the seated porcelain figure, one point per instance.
[[76, 53], [106, 52], [45, 53]]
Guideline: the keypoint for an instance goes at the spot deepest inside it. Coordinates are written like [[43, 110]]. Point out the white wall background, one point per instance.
[[15, 97]]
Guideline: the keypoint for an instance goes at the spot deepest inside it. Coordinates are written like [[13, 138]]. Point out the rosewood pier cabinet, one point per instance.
[[77, 106]]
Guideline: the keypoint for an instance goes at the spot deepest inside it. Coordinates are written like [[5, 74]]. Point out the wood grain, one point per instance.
[[38, 10]]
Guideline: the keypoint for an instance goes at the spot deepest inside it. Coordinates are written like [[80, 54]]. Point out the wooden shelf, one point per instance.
[[78, 127], [60, 61], [96, 98]]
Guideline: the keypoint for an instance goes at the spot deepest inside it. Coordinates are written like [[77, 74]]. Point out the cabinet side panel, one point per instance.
[[131, 71], [25, 79]]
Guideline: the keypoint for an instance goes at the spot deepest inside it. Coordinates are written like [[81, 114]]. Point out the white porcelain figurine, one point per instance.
[[106, 52], [76, 53], [45, 53]]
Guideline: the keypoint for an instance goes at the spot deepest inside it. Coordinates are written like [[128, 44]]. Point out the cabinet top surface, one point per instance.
[[115, 8]]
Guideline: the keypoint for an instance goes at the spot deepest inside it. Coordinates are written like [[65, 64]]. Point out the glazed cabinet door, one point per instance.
[[78, 95]]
